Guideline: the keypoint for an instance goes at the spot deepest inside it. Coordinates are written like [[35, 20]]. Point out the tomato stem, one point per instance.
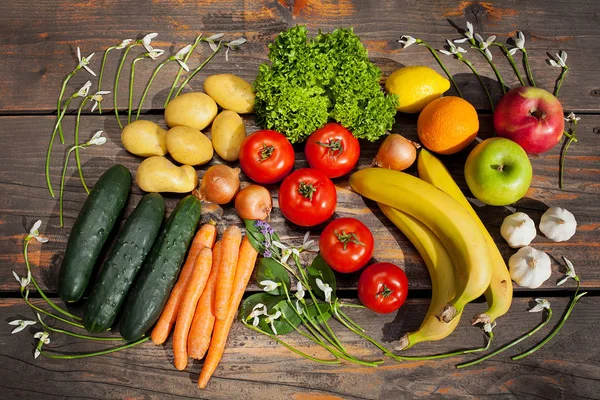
[[385, 292], [334, 145], [348, 237], [307, 190], [266, 152]]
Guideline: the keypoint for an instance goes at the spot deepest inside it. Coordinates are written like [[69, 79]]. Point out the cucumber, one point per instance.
[[151, 289], [123, 263], [92, 227]]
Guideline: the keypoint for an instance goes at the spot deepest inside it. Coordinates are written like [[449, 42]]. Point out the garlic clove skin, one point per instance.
[[558, 224], [518, 230], [529, 267]]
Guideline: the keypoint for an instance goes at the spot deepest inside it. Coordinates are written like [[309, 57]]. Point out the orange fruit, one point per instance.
[[447, 125]]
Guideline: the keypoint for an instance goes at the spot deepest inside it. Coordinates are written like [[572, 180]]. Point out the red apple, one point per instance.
[[530, 116]]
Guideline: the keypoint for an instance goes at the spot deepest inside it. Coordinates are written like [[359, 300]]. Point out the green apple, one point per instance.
[[498, 171]]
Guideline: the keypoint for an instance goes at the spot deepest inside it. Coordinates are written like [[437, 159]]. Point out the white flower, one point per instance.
[[299, 307], [180, 55], [569, 274], [97, 98], [97, 139], [453, 49], [85, 89], [146, 40], [271, 318], [287, 251], [468, 34], [258, 310], [488, 327], [155, 53], [213, 46], [44, 339], [214, 37], [540, 306], [561, 60], [84, 61], [299, 291], [406, 41], [308, 245], [233, 45], [485, 44], [519, 42], [21, 324], [572, 118], [34, 233], [124, 44], [325, 288], [23, 282], [269, 285]]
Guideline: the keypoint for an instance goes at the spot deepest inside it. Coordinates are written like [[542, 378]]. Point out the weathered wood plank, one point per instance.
[[39, 50], [255, 367], [24, 198]]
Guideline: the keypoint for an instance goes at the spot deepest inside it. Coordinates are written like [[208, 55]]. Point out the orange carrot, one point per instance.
[[204, 318], [245, 266], [204, 238], [190, 298], [230, 248]]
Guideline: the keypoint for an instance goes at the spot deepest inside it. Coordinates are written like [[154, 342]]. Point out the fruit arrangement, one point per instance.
[[171, 276]]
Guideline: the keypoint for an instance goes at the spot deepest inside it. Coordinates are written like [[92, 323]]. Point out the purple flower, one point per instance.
[[265, 228], [267, 253]]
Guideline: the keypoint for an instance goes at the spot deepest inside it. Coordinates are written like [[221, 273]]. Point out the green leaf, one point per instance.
[[312, 312], [257, 298], [273, 304], [269, 269], [320, 269], [255, 238], [284, 327]]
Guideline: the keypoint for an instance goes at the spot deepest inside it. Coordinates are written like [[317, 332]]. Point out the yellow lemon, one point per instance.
[[416, 86]]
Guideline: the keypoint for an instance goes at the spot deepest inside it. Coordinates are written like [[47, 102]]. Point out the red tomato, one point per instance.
[[266, 157], [332, 149], [346, 244], [383, 287], [307, 197]]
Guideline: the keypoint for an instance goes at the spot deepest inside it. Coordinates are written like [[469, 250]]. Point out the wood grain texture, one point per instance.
[[24, 199], [256, 367], [38, 51]]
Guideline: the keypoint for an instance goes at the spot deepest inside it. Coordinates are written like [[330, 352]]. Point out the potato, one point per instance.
[[228, 132], [144, 139], [230, 92], [157, 174], [196, 110], [189, 146]]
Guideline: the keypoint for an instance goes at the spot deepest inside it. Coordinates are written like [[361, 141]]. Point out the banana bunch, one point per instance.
[[460, 255]]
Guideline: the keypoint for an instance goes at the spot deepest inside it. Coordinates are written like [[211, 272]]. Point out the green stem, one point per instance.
[[52, 137], [510, 344], [441, 63], [290, 347], [198, 69], [485, 89], [77, 335], [496, 72], [511, 60], [185, 60], [77, 159], [97, 353], [528, 68], [131, 80], [58, 104], [560, 79], [57, 317], [351, 305], [158, 67], [101, 74], [62, 183], [117, 76], [554, 331], [40, 291], [563, 152]]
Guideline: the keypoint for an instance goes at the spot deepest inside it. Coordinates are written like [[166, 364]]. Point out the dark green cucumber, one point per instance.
[[92, 227], [123, 263], [151, 289]]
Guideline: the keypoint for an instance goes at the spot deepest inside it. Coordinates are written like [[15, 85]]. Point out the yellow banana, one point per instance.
[[440, 270], [500, 291], [448, 220]]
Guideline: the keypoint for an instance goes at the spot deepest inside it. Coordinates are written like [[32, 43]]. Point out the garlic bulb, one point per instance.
[[558, 224], [518, 230], [529, 267]]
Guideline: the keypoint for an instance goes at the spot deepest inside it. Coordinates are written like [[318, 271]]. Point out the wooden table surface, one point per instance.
[[37, 49]]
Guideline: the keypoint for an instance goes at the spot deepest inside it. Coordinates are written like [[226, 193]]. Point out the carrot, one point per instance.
[[204, 238], [204, 318], [230, 248], [245, 266], [190, 298]]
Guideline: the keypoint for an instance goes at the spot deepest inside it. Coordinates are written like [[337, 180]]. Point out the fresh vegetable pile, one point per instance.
[[162, 277]]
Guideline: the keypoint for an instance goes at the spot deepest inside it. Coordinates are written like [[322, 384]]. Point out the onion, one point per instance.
[[219, 184], [253, 202], [396, 152]]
